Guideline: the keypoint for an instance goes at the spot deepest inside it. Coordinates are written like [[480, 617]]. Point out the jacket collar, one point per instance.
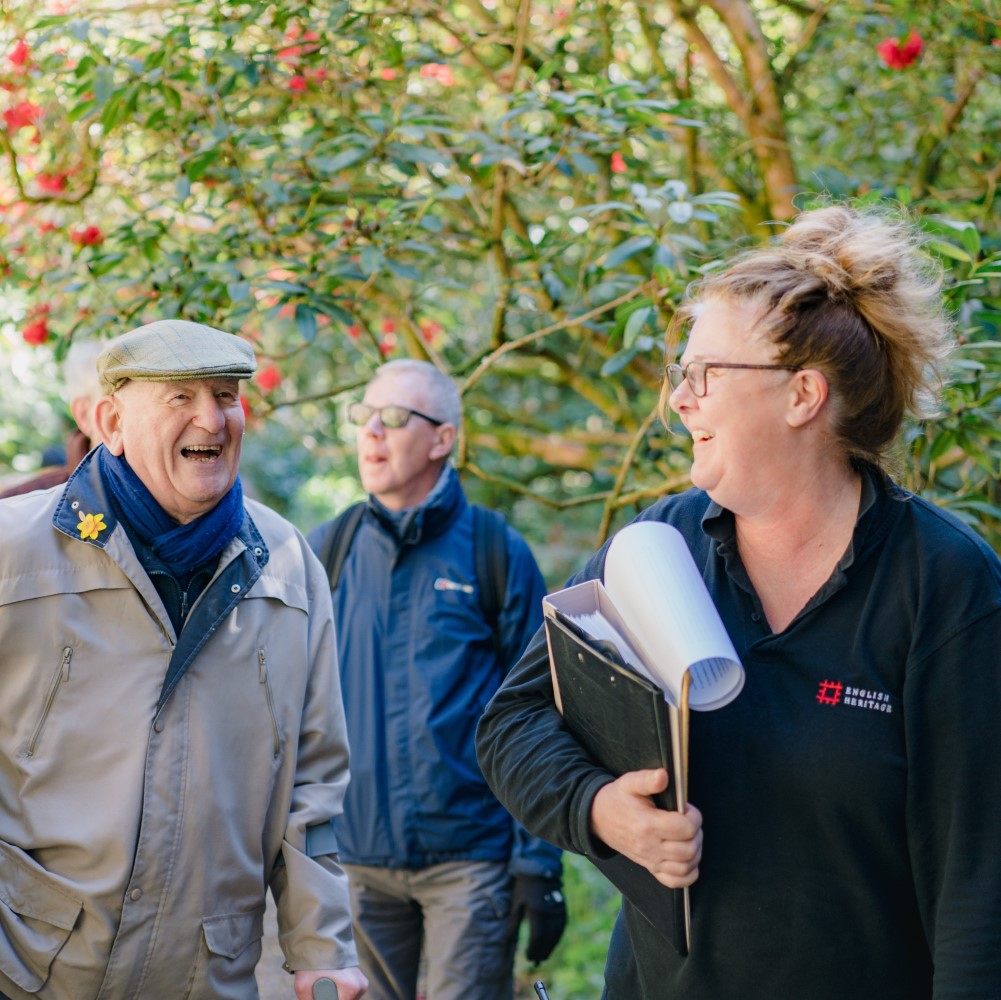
[[431, 517], [85, 513]]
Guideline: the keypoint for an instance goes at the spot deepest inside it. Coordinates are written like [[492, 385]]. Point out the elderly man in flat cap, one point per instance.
[[171, 735]]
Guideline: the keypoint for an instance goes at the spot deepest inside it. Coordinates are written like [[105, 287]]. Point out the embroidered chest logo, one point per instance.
[[444, 584], [836, 693], [829, 693], [91, 525]]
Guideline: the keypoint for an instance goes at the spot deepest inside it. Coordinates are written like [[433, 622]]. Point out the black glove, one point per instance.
[[540, 900]]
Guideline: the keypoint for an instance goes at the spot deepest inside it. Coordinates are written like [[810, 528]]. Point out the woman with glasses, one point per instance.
[[841, 837]]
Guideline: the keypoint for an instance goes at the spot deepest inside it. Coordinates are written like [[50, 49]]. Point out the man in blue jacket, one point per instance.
[[433, 859]]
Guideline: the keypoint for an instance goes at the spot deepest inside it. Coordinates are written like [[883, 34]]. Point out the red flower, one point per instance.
[[51, 183], [269, 378], [388, 73], [429, 330], [22, 115], [36, 332], [898, 56], [388, 326], [441, 72], [19, 54], [618, 163], [89, 237], [45, 227], [354, 331], [386, 347], [245, 406], [298, 82]]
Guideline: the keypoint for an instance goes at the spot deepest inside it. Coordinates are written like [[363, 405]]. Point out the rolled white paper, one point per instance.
[[656, 587]]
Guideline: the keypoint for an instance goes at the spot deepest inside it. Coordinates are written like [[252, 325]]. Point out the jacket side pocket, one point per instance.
[[36, 918]]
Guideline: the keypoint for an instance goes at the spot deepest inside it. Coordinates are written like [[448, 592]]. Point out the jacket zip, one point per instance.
[[62, 674], [263, 661]]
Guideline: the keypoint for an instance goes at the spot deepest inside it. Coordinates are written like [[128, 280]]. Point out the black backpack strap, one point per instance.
[[490, 551], [336, 540]]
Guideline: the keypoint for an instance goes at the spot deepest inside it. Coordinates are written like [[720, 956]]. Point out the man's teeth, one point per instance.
[[201, 453]]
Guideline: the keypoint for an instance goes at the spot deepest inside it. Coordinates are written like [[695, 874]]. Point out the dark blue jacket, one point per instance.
[[418, 665]]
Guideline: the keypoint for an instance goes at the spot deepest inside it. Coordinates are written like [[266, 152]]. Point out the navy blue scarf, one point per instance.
[[181, 546]]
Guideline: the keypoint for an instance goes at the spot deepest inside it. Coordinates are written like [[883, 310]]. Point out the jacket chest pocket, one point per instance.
[[56, 684], [265, 681]]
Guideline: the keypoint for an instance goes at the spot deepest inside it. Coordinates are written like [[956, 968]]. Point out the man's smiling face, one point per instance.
[[182, 439]]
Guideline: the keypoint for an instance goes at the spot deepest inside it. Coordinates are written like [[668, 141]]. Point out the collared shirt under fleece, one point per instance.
[[851, 794], [152, 784], [418, 664]]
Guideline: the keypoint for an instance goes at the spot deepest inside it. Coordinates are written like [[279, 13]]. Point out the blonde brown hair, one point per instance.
[[850, 293]]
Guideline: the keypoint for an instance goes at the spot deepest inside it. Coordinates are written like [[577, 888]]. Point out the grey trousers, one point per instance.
[[456, 914]]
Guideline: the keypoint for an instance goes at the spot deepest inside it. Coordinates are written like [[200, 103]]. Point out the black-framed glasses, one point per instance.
[[389, 416], [695, 373]]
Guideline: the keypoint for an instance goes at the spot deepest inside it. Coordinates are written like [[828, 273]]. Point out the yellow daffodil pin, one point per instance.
[[91, 525]]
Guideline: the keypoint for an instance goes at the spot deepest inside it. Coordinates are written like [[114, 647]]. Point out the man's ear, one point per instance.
[[83, 409], [443, 442], [807, 394], [108, 417]]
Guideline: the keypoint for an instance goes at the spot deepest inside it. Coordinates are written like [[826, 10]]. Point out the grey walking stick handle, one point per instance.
[[324, 989]]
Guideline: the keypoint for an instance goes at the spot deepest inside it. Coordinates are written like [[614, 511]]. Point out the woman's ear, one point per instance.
[[444, 440], [108, 417], [807, 395]]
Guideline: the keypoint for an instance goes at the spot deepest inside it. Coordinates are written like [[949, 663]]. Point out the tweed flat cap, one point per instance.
[[174, 350]]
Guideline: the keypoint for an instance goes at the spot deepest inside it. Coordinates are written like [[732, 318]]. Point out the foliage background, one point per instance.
[[518, 190]]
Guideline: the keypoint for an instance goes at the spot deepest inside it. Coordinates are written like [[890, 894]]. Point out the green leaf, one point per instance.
[[196, 165], [625, 250], [305, 321], [102, 265], [347, 157], [637, 320], [950, 250], [103, 84], [583, 163], [618, 361], [971, 240]]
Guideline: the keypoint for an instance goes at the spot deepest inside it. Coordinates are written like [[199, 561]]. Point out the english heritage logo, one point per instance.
[[836, 693]]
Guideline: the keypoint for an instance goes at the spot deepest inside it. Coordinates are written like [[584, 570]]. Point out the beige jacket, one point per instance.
[[137, 839]]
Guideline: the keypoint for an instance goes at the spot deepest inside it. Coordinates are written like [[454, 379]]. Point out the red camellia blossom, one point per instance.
[[36, 331], [388, 326], [386, 347], [245, 406], [429, 330], [298, 82], [22, 115], [441, 72], [354, 331], [388, 73], [292, 52], [89, 237], [18, 55], [269, 378], [618, 163], [51, 183], [900, 56]]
